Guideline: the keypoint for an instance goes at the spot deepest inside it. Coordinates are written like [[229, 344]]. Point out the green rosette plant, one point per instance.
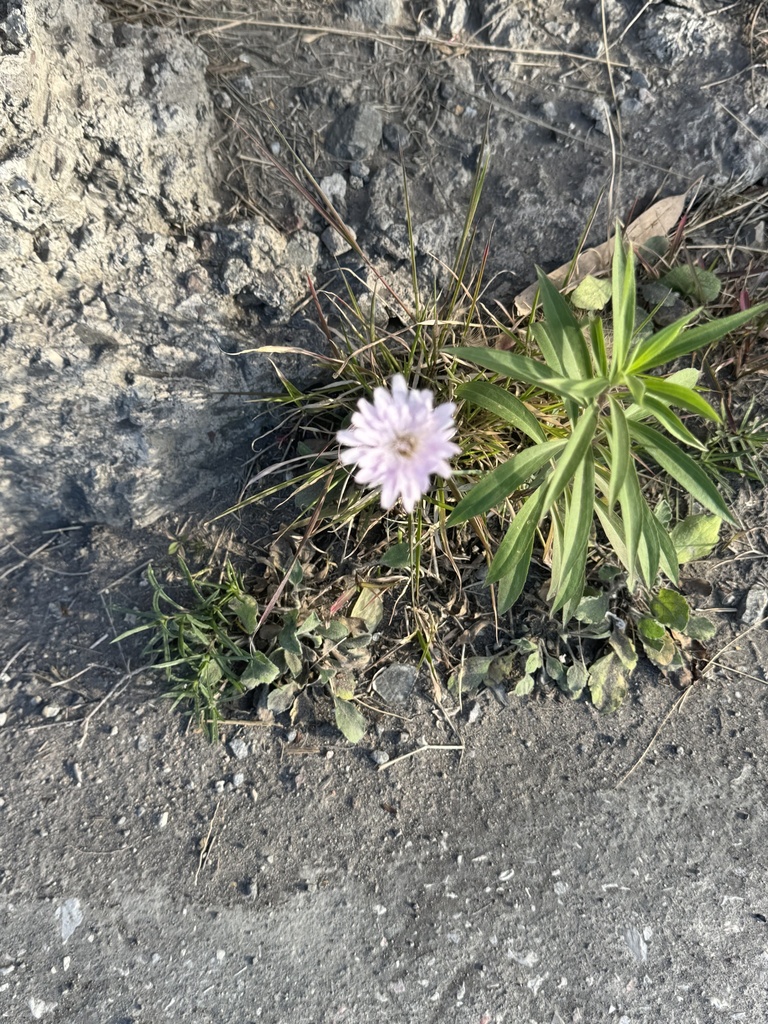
[[617, 413]]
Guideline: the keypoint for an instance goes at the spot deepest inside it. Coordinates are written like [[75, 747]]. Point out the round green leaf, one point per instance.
[[608, 683], [701, 285], [397, 557], [696, 536], [524, 687], [259, 671], [671, 608], [700, 628], [349, 720], [592, 293], [650, 629]]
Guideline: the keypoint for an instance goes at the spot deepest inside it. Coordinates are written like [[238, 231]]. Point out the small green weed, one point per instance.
[[212, 650]]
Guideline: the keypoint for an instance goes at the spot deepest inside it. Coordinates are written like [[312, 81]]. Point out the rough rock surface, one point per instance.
[[121, 397], [124, 296], [356, 133]]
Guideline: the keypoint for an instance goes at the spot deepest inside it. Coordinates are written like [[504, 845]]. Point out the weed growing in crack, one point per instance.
[[548, 498], [587, 466], [558, 453]]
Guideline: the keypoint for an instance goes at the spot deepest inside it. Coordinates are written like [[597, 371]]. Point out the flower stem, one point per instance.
[[415, 522]]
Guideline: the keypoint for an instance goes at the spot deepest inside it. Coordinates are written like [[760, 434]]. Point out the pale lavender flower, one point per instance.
[[398, 441]]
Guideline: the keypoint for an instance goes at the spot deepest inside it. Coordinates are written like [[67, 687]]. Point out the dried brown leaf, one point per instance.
[[659, 219]]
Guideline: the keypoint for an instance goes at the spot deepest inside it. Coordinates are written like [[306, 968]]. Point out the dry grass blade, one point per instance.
[[206, 845], [420, 750]]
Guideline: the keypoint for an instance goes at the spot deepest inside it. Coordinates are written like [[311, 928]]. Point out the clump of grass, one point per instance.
[[213, 648]]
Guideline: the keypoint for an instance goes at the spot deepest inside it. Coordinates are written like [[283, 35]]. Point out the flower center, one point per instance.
[[404, 445]]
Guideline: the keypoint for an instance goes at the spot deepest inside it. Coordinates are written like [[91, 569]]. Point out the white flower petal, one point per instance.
[[388, 493], [399, 441]]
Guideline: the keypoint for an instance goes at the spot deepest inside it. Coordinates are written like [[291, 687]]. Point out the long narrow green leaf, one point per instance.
[[555, 542], [648, 546], [504, 405], [636, 389], [503, 481], [631, 501], [578, 521], [576, 532], [681, 467], [623, 302], [512, 583], [689, 341], [564, 331], [530, 371], [518, 539], [548, 350], [682, 397], [575, 450], [668, 560], [598, 344], [651, 349], [621, 457], [614, 531], [671, 422]]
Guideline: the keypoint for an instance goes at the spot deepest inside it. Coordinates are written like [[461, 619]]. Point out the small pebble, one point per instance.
[[3, 717], [379, 756], [238, 748], [474, 713], [141, 743], [360, 170], [238, 779], [219, 785], [162, 821], [50, 711], [396, 136]]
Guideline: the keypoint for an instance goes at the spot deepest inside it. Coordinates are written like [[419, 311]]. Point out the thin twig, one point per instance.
[[420, 750], [664, 721], [712, 663], [116, 690], [48, 568], [385, 37], [13, 658], [25, 558], [205, 849], [70, 679], [125, 576]]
